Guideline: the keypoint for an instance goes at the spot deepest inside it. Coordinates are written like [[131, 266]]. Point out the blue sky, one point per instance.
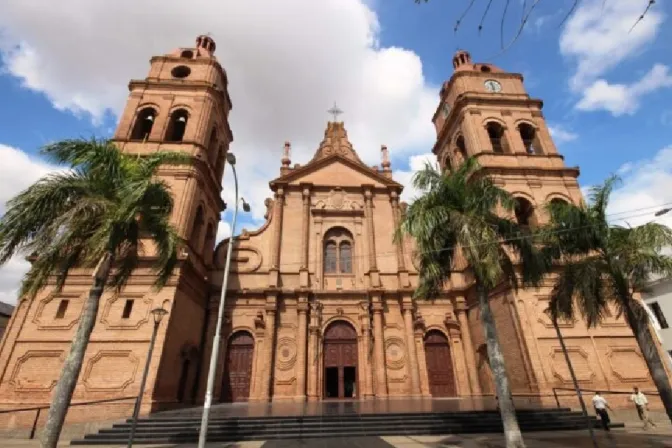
[[607, 93]]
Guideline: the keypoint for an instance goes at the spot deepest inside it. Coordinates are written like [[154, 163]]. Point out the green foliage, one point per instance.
[[465, 211], [107, 202], [601, 263]]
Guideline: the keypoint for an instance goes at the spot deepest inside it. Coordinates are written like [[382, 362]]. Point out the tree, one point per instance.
[[95, 215], [601, 264], [457, 216], [527, 9]]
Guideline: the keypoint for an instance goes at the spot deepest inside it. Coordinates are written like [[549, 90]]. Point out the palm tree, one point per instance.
[[466, 210], [601, 264], [96, 215]]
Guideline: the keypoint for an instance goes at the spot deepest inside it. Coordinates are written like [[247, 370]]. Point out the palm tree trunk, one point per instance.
[[512, 434], [73, 364], [642, 332], [589, 422]]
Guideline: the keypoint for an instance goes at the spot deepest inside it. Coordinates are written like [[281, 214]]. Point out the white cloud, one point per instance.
[[416, 163], [560, 134], [223, 231], [646, 188], [621, 99], [286, 63], [17, 172], [597, 38]]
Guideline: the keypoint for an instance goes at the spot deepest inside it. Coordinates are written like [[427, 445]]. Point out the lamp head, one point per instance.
[[230, 158], [158, 314], [246, 206]]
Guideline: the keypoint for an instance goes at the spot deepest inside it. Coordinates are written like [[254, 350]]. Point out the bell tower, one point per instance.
[[183, 105], [486, 112]]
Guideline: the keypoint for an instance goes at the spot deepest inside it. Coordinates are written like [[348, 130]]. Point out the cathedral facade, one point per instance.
[[320, 300]]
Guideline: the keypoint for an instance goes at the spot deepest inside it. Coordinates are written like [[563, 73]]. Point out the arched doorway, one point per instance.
[[238, 367], [340, 361], [439, 365]]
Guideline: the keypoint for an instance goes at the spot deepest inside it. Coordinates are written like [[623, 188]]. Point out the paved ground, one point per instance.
[[619, 438]]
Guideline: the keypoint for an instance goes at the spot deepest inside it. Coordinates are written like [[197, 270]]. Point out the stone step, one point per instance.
[[174, 430]]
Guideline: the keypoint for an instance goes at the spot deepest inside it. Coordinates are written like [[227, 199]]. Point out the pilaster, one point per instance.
[[379, 346], [304, 277], [468, 346], [278, 208], [302, 309], [407, 307], [374, 275]]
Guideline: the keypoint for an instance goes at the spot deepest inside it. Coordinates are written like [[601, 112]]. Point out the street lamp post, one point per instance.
[[203, 434], [157, 314]]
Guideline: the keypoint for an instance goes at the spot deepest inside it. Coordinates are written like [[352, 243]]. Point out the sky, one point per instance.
[[606, 86]]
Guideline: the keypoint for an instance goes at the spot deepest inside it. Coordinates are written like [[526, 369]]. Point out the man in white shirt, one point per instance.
[[642, 405], [601, 406]]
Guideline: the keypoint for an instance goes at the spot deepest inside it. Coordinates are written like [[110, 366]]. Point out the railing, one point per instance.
[[604, 392], [39, 409]]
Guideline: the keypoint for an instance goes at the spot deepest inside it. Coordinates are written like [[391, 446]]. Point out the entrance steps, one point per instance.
[[177, 428]]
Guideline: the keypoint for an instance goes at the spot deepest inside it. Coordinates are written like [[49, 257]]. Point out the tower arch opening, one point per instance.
[[497, 137], [461, 148], [524, 211], [177, 126], [144, 122], [197, 229], [530, 138]]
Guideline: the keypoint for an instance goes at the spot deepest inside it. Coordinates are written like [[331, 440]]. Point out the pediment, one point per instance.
[[336, 170]]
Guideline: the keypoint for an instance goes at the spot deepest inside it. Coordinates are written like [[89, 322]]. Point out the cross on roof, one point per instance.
[[335, 111]]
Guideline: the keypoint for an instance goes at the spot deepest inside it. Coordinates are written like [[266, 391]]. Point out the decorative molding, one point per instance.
[[395, 353], [557, 356], [628, 372], [110, 379], [28, 383], [71, 316], [137, 317], [286, 353]]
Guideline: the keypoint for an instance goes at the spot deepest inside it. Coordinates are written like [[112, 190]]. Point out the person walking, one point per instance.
[[642, 405], [600, 404]]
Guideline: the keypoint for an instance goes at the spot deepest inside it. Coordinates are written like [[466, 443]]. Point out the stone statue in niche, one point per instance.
[[259, 322]]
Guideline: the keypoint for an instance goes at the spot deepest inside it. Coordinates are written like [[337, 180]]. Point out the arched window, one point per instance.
[[197, 229], [446, 165], [213, 147], [345, 257], [497, 138], [177, 125], [530, 140], [524, 212], [338, 251], [330, 258], [461, 148], [143, 124], [209, 242]]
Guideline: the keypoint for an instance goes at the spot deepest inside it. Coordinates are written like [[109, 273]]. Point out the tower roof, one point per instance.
[[336, 141], [462, 63]]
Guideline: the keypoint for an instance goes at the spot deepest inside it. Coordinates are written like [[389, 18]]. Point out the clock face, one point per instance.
[[445, 110], [492, 86]]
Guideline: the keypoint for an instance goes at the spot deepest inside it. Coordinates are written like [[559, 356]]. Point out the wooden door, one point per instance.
[[340, 351], [238, 367], [439, 365]]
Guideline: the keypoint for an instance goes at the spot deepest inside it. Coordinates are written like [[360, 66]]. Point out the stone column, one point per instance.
[[278, 207], [313, 351], [461, 311], [410, 343], [368, 210], [367, 389], [301, 351], [305, 237], [396, 216], [268, 358], [379, 349]]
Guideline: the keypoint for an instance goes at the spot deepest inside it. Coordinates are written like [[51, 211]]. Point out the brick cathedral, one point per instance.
[[320, 299]]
